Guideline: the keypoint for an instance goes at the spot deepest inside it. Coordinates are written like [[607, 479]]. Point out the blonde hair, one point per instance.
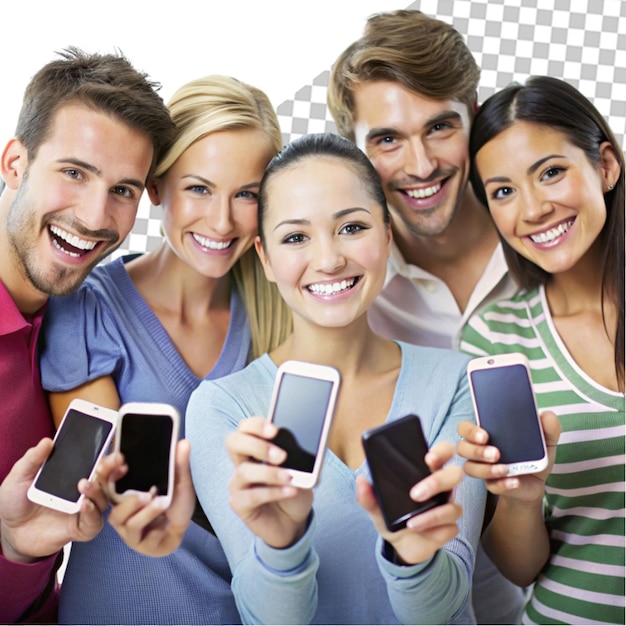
[[217, 103]]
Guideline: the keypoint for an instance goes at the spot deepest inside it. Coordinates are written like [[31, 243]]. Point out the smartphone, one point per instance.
[[505, 407], [147, 433], [83, 437], [302, 407], [395, 454]]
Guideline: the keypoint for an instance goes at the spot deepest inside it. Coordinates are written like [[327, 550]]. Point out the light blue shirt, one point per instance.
[[107, 328], [336, 573]]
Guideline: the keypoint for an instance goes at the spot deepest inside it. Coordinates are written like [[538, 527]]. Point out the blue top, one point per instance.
[[106, 328], [336, 573]]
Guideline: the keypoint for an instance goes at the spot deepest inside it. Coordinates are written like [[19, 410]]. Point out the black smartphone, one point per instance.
[[395, 455], [302, 407], [82, 439], [146, 435], [505, 407]]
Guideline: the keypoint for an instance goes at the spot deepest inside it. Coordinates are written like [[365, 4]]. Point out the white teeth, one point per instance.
[[329, 289], [73, 240], [553, 233], [424, 193], [205, 242]]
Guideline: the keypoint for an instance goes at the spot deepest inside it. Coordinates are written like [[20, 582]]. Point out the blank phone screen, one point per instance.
[[145, 442], [76, 448], [299, 414], [506, 409], [395, 456]]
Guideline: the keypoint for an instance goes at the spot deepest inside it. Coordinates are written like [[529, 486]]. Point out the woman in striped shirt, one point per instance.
[[551, 172]]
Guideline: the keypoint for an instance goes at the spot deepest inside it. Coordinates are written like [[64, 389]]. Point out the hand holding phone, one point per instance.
[[82, 438], [395, 455], [505, 407], [302, 407], [146, 435]]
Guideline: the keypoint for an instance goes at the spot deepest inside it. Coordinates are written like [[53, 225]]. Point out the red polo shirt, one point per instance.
[[27, 591]]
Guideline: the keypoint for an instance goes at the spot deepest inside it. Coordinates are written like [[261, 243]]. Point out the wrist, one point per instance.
[[9, 552]]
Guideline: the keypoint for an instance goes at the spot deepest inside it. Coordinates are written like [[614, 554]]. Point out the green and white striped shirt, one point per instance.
[[583, 581]]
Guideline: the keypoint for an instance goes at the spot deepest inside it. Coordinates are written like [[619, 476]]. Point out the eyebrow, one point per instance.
[[445, 116], [531, 170], [98, 172], [211, 184], [337, 215]]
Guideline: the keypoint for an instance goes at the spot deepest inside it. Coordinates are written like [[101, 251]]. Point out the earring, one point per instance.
[[610, 187]]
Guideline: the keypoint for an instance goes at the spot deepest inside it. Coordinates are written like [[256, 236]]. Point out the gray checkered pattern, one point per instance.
[[581, 41]]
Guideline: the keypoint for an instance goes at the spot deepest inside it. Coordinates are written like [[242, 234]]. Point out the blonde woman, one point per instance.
[[151, 327]]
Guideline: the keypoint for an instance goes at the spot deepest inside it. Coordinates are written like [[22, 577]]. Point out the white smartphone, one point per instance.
[[505, 407], [302, 407], [82, 438], [147, 433]]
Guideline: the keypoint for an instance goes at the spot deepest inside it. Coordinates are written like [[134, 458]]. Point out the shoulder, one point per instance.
[[427, 357]]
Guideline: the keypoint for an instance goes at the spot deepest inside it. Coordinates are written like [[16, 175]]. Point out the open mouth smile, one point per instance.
[[551, 235], [424, 192], [212, 244], [332, 289], [69, 244]]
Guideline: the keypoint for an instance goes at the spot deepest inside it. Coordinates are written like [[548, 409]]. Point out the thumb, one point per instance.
[[551, 428], [26, 468]]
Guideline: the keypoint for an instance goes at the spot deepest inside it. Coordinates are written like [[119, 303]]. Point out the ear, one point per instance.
[[609, 166], [153, 192], [14, 163], [267, 268]]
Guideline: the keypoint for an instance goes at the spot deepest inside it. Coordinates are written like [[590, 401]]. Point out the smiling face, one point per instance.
[[76, 200], [547, 202], [419, 147], [326, 241], [209, 197]]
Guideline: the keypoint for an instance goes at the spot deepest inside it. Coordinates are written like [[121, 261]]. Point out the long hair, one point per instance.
[[557, 105], [218, 103]]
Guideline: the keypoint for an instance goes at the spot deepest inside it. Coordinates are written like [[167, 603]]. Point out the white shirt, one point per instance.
[[417, 307]]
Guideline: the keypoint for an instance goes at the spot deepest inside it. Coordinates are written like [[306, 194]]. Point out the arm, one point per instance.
[[271, 584], [31, 536], [101, 391], [517, 538]]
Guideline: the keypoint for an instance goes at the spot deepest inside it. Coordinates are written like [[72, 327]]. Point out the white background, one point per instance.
[[276, 45]]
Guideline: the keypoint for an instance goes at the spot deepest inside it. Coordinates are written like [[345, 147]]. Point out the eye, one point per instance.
[[501, 193], [385, 140], [552, 172], [294, 238], [73, 173], [440, 126], [248, 195], [199, 189], [352, 228], [125, 192]]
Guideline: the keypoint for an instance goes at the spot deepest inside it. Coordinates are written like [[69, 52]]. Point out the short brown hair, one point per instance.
[[104, 82], [421, 53]]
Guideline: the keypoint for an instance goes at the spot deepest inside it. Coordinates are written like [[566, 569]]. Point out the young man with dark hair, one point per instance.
[[405, 93], [89, 132]]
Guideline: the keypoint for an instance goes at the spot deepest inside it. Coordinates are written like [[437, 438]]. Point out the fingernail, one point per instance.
[[511, 483], [418, 493], [276, 455], [491, 454]]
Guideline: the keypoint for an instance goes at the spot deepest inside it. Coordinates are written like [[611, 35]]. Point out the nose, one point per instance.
[[95, 211], [535, 206], [419, 162], [327, 256], [220, 215]]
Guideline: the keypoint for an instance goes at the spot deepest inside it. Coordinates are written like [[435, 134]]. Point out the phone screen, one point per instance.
[[145, 442], [77, 446], [299, 414], [506, 408], [395, 455]]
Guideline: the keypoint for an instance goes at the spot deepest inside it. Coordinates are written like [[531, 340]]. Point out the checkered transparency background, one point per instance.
[[581, 41]]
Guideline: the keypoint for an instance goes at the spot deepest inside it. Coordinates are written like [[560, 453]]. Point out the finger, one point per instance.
[[437, 517], [242, 446], [111, 468], [551, 428], [128, 506], [440, 481], [95, 492], [250, 474], [26, 467], [472, 432], [184, 497], [246, 502], [89, 521], [485, 471], [439, 455], [473, 452]]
